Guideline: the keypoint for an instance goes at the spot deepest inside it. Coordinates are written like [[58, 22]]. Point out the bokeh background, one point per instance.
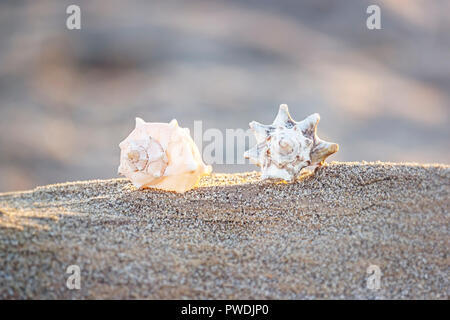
[[68, 97]]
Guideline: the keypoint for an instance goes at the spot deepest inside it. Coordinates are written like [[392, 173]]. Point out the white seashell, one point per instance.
[[285, 147], [162, 156]]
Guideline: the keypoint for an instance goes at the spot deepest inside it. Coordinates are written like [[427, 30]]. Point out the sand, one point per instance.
[[234, 237]]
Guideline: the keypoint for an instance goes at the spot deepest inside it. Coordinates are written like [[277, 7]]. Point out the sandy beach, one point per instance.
[[234, 237]]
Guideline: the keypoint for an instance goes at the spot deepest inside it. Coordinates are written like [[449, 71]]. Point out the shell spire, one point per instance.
[[285, 147], [139, 122]]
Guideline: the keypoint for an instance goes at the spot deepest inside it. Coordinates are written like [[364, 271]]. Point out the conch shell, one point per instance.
[[285, 147], [162, 156]]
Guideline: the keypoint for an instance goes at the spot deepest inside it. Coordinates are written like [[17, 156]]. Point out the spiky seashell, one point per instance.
[[162, 156], [285, 147]]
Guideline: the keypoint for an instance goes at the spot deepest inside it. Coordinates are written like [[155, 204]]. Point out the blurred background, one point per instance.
[[68, 97]]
